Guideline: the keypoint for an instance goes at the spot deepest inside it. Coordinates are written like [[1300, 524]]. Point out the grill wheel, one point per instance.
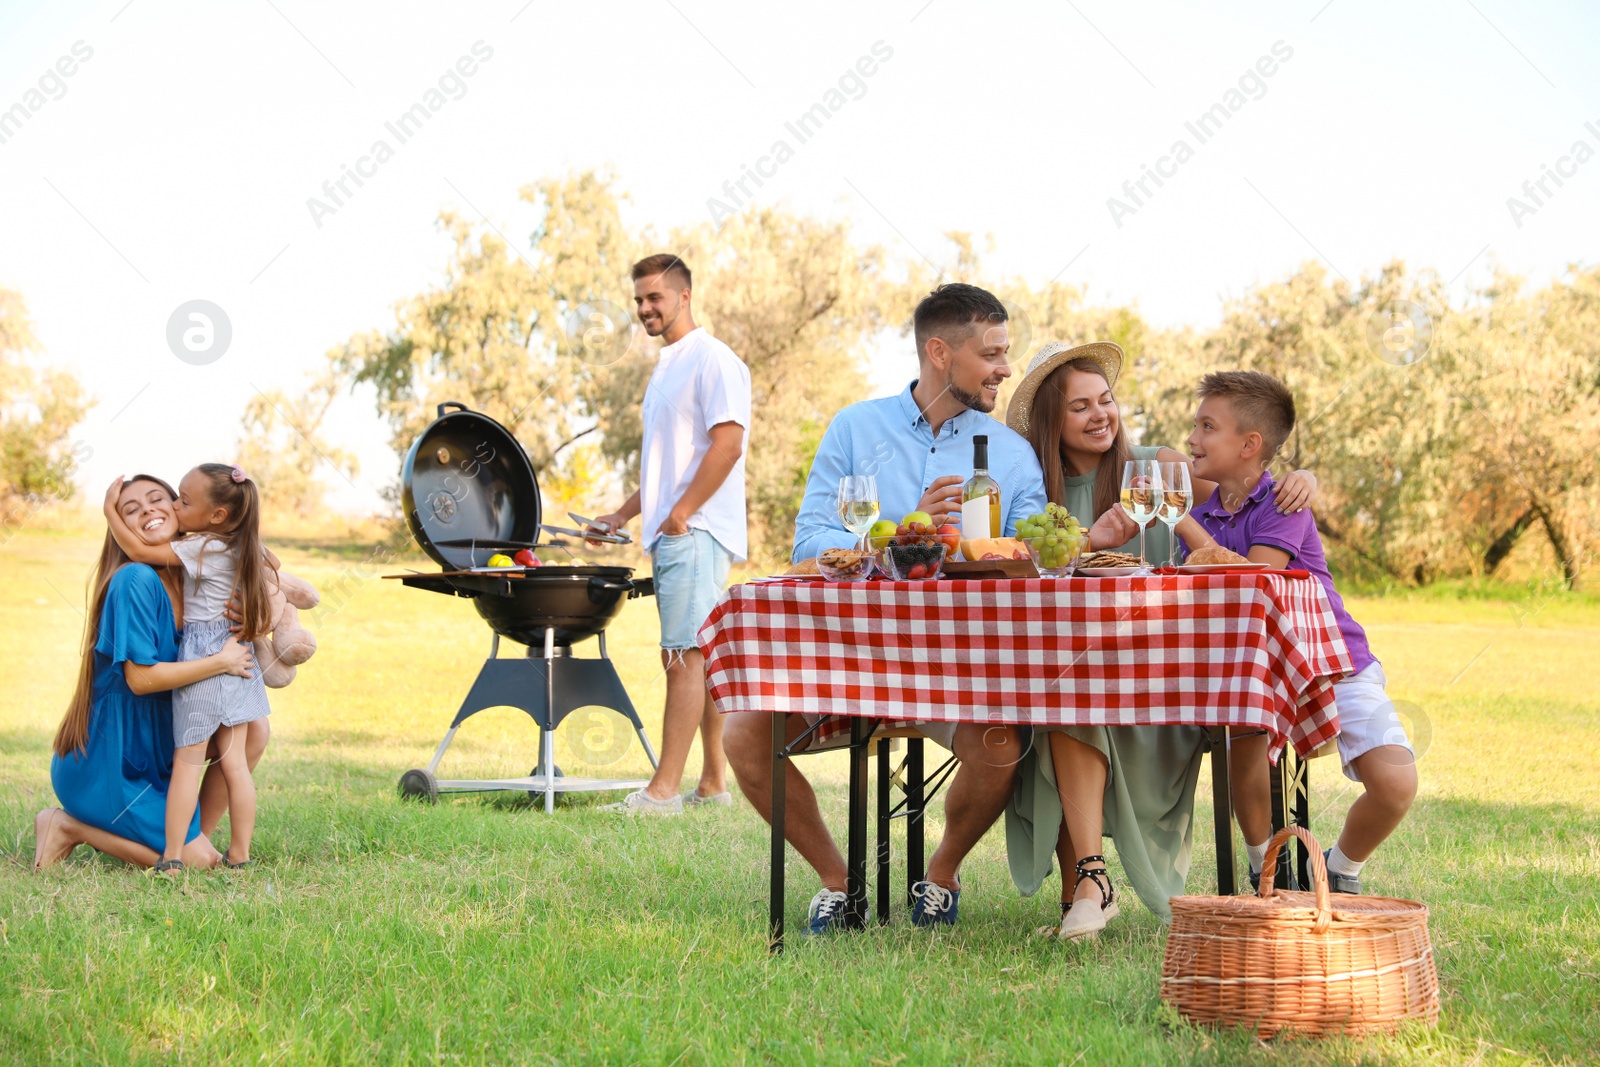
[[419, 784]]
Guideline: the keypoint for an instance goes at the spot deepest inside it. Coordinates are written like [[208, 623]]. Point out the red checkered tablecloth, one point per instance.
[[1243, 650]]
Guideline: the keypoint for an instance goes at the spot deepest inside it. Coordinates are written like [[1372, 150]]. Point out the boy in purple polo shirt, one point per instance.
[[1243, 419]]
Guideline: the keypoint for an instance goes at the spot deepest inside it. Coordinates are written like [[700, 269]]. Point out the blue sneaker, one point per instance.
[[934, 904], [827, 912]]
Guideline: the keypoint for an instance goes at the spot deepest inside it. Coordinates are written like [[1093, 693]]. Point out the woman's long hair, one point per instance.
[[1044, 434], [73, 733], [243, 534]]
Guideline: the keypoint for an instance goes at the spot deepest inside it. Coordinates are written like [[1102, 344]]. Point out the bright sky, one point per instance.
[[175, 161]]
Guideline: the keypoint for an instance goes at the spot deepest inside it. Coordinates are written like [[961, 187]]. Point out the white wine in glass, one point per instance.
[[1177, 497], [1141, 487], [858, 504]]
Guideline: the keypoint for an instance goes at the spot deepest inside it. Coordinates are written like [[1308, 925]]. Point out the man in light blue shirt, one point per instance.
[[918, 444], [920, 452]]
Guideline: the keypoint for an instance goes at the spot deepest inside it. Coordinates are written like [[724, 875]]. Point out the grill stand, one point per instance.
[[549, 688]]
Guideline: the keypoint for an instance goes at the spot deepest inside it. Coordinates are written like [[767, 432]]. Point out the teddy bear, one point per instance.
[[289, 644]]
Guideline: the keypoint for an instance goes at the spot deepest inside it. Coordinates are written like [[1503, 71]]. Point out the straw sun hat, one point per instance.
[[1047, 359]]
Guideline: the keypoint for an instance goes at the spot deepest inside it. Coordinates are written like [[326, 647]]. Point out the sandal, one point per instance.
[[227, 861], [169, 866], [1086, 921], [1050, 931]]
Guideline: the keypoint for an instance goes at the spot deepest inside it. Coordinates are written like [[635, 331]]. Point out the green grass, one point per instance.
[[481, 930]]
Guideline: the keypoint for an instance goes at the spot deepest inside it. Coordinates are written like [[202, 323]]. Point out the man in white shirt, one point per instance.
[[691, 496]]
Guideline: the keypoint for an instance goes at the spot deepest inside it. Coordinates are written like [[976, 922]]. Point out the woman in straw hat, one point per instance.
[[1135, 783]]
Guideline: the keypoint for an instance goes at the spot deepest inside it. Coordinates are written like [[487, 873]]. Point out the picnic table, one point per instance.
[[1231, 651]]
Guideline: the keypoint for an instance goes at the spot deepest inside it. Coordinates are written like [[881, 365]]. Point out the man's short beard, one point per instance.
[[975, 401]]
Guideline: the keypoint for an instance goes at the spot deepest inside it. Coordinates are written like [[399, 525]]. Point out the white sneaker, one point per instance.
[[641, 803], [692, 799]]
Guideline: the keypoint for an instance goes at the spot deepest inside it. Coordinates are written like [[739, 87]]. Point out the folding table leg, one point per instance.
[[914, 805], [1302, 815], [856, 850], [1291, 805], [1222, 804], [1283, 877], [780, 791], [883, 831]]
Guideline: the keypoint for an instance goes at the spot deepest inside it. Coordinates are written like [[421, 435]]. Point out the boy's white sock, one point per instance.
[[1257, 854], [1339, 863]]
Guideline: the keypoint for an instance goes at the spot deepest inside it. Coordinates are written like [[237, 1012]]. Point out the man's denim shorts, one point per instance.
[[690, 570]]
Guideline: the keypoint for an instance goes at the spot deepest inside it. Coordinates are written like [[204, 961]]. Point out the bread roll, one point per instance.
[[1214, 554]]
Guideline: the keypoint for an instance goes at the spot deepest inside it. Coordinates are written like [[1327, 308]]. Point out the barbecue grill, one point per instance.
[[468, 492]]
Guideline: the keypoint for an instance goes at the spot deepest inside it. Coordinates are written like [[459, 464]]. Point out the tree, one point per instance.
[[505, 333], [282, 448], [38, 409], [546, 343], [1533, 397]]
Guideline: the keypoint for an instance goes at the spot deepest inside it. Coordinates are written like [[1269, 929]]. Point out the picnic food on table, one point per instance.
[[912, 562], [881, 532], [978, 548], [1110, 559], [844, 564], [1212, 555], [916, 528], [1053, 517], [1054, 534]]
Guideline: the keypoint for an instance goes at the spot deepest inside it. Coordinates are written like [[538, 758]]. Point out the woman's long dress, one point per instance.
[[1150, 779], [118, 782]]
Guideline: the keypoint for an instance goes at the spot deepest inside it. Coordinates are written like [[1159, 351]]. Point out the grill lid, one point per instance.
[[467, 481]]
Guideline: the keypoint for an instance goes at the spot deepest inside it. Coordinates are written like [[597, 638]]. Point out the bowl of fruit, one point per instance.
[[1055, 554], [914, 528], [1055, 540], [913, 561]]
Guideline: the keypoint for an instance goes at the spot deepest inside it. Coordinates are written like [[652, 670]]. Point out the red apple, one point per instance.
[[950, 534]]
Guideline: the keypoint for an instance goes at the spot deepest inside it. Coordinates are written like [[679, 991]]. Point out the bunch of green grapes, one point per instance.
[[1060, 536]]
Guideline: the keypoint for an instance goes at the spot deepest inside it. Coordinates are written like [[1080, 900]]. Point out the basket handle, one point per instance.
[[1319, 872]]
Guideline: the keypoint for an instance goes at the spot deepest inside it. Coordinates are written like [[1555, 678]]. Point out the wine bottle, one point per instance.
[[980, 497]]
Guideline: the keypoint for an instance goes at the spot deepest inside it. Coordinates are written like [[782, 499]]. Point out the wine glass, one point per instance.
[[1141, 487], [858, 504], [1177, 497]]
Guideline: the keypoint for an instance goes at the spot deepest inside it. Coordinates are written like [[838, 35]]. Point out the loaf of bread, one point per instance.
[[1212, 555], [805, 566]]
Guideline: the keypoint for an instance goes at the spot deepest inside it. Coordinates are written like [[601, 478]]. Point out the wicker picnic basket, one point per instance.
[[1283, 961]]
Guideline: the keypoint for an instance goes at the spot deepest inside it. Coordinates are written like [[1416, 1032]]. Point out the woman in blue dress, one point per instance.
[[113, 751]]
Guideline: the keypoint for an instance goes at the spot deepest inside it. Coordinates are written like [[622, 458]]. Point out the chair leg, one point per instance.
[[915, 868], [1222, 805]]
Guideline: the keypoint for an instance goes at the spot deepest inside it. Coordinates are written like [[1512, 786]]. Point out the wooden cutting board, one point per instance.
[[990, 568]]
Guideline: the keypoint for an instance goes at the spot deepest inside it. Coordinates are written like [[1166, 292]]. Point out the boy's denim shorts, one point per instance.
[[690, 570]]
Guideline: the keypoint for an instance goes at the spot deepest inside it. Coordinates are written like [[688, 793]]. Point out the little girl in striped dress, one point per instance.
[[219, 508]]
